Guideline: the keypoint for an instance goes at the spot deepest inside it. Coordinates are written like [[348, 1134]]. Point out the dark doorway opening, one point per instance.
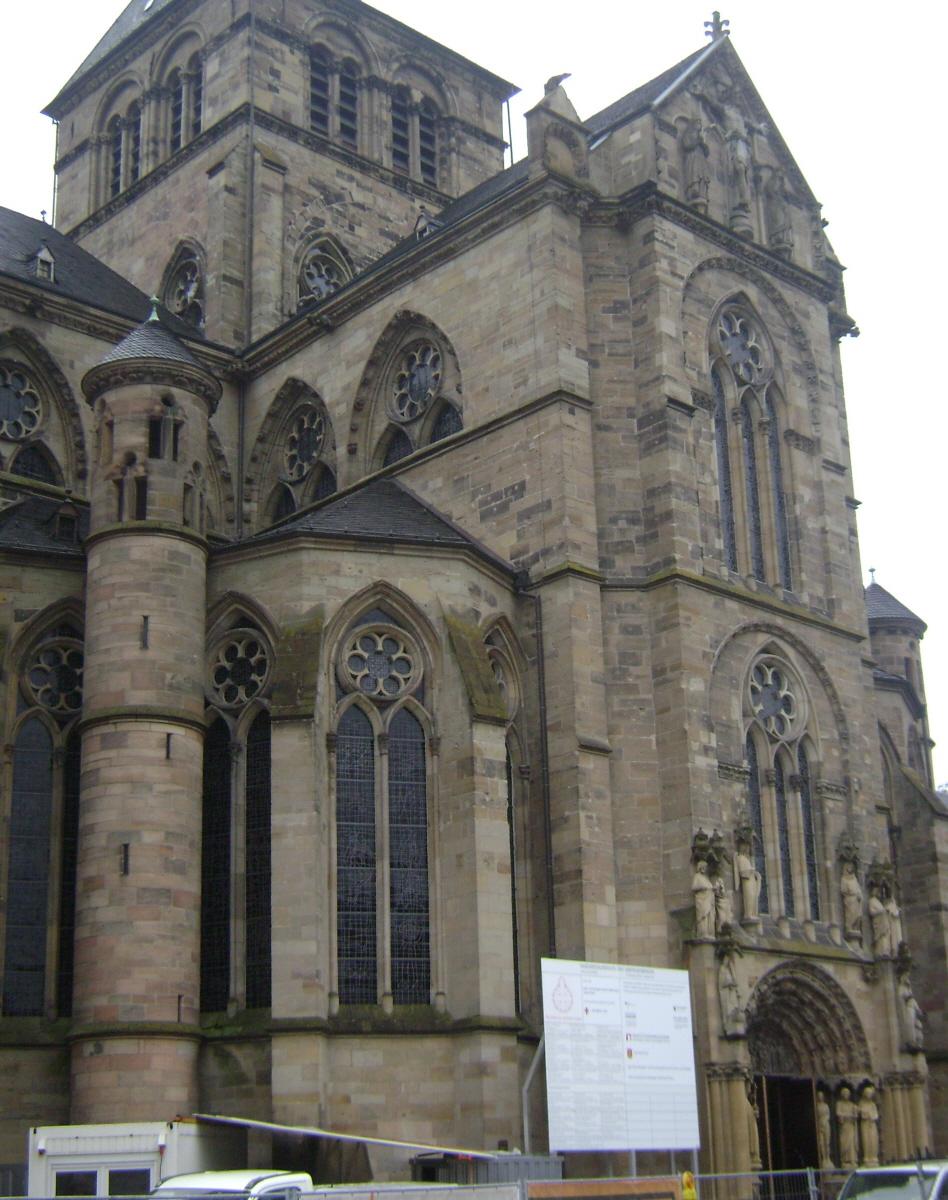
[[788, 1123]]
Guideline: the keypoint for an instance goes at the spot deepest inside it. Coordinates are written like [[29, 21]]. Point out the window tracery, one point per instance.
[[304, 443], [417, 382], [184, 291], [323, 271], [240, 668], [21, 410]]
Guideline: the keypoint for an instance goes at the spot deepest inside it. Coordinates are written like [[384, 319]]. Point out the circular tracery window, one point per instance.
[[380, 662], [304, 443], [240, 669], [741, 344], [417, 382], [320, 275], [20, 406], [54, 677], [773, 698]]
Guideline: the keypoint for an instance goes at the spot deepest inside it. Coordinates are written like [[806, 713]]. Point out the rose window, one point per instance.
[[304, 443], [381, 663], [55, 677], [741, 345], [320, 276], [240, 669], [772, 699], [20, 406], [417, 383]]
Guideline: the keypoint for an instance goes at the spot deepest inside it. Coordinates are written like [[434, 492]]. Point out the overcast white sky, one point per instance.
[[856, 88]]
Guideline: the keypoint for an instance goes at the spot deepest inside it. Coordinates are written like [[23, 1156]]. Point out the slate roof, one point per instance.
[[151, 340], [383, 510], [883, 606], [29, 523], [640, 98], [78, 274]]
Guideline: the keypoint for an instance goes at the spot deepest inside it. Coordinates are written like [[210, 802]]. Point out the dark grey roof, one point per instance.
[[883, 606], [78, 275], [29, 523], [152, 340], [639, 99], [382, 510], [137, 14]]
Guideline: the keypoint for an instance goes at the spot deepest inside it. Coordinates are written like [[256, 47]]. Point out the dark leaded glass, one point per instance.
[[115, 156], [325, 484], [751, 488], [757, 821], [780, 499], [215, 870], [258, 863], [135, 143], [67, 883], [356, 946], [398, 447], [24, 964], [447, 422], [809, 835], [722, 453], [35, 463], [783, 838], [408, 838], [512, 837]]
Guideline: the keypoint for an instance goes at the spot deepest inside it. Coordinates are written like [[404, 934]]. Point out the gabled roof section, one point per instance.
[[29, 523], [79, 275], [382, 510], [882, 606], [644, 97]]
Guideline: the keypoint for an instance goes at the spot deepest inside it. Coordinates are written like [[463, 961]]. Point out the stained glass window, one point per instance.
[[35, 462], [751, 488], [215, 869], [779, 496], [325, 484], [67, 883], [447, 422], [809, 834], [757, 821], [355, 860], [399, 446], [408, 840], [722, 453], [512, 837], [24, 965], [783, 838], [258, 871]]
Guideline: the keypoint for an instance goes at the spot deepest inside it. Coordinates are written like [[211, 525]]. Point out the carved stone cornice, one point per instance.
[[125, 372], [831, 790], [736, 772], [799, 441], [731, 1070]]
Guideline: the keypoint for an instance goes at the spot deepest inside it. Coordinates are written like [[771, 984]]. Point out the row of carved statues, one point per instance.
[[856, 1124]]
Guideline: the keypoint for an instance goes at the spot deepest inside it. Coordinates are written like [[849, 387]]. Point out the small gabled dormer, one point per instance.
[[43, 264]]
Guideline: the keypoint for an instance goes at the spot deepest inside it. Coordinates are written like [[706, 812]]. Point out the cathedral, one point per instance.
[[414, 568]]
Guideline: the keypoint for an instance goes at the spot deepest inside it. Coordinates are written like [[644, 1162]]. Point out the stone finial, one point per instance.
[[554, 82], [153, 315], [716, 29]]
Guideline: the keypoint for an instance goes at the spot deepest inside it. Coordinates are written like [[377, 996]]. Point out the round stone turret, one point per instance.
[[138, 879]]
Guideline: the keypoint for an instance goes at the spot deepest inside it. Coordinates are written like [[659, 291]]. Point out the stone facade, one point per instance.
[[513, 506]]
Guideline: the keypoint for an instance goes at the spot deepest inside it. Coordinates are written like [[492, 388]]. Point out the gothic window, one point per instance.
[[21, 410], [239, 668], [258, 870], [197, 94], [176, 111], [747, 444], [397, 447], [325, 484], [281, 503], [401, 131], [133, 124], [417, 382], [304, 443], [323, 271], [183, 292], [383, 941], [215, 869], [447, 422], [42, 823], [115, 138], [780, 798], [36, 462], [428, 143]]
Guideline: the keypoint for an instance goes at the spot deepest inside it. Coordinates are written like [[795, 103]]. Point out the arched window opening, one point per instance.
[[197, 94], [809, 835], [67, 883], [325, 484], [282, 504], [176, 123], [133, 122], [319, 91], [323, 270], [514, 859], [258, 870], [115, 156], [30, 830], [216, 869], [408, 842], [347, 108], [779, 496], [783, 837], [401, 132], [183, 292], [722, 453], [751, 489], [447, 422], [36, 462], [356, 932], [398, 447], [755, 811], [428, 143]]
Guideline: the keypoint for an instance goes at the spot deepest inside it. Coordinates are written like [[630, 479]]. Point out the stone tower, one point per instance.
[[136, 1004]]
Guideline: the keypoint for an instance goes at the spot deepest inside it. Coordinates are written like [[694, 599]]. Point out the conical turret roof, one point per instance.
[[883, 606], [152, 340]]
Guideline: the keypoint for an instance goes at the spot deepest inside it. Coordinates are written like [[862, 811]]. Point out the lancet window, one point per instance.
[[42, 818], [779, 799], [753, 504], [380, 751]]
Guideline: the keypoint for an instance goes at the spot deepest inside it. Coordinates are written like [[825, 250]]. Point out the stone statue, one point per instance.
[[749, 878], [777, 211], [741, 165], [879, 919], [732, 1010], [697, 172], [703, 891], [851, 893], [723, 906], [894, 914], [910, 1015], [869, 1127], [824, 1135], [847, 1125], [753, 1137]]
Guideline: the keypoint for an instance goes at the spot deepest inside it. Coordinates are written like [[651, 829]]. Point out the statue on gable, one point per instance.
[[697, 169], [777, 213], [741, 166]]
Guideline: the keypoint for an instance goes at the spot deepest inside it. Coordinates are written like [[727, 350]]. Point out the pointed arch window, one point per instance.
[[447, 422], [398, 447], [722, 453], [756, 812], [779, 496], [258, 872], [783, 836], [809, 834], [323, 270], [36, 462], [216, 869], [751, 488], [383, 902]]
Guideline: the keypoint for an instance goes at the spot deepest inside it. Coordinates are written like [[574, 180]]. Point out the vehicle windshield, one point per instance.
[[891, 1185]]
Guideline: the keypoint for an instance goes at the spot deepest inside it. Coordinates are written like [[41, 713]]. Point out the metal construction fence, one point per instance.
[[806, 1184]]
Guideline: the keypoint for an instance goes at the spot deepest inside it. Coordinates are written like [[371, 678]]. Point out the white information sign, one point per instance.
[[620, 1071]]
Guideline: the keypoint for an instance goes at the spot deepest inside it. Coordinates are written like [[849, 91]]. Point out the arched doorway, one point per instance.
[[803, 1034]]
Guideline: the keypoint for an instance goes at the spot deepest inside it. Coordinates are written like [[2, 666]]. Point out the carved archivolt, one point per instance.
[[801, 1022]]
